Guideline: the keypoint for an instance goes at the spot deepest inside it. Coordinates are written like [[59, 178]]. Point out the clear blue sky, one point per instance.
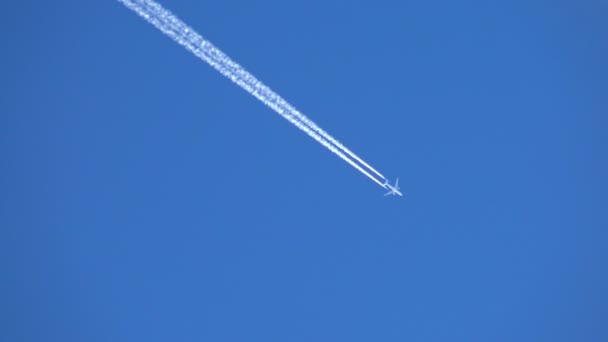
[[144, 197]]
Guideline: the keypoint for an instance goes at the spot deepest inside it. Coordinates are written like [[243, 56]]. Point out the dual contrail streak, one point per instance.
[[181, 33], [215, 53]]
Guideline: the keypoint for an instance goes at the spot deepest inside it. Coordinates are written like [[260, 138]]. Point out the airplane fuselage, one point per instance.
[[393, 189]]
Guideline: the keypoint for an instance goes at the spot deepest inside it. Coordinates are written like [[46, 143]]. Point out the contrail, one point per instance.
[[201, 54], [222, 59], [170, 25]]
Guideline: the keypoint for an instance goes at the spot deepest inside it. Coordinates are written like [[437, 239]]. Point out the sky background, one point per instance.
[[145, 197]]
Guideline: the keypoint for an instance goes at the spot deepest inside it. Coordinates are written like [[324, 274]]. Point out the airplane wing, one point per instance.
[[397, 183], [388, 193]]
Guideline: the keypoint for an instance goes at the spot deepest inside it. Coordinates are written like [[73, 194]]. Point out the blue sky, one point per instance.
[[143, 196]]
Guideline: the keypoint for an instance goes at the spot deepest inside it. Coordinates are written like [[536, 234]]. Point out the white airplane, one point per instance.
[[393, 189]]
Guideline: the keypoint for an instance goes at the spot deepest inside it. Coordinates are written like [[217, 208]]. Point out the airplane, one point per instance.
[[393, 189]]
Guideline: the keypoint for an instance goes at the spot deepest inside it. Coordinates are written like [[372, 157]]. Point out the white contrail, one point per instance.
[[185, 36], [200, 53], [222, 59], [231, 69]]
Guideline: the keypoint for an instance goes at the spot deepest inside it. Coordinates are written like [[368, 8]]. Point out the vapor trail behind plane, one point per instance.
[[173, 27], [214, 53]]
